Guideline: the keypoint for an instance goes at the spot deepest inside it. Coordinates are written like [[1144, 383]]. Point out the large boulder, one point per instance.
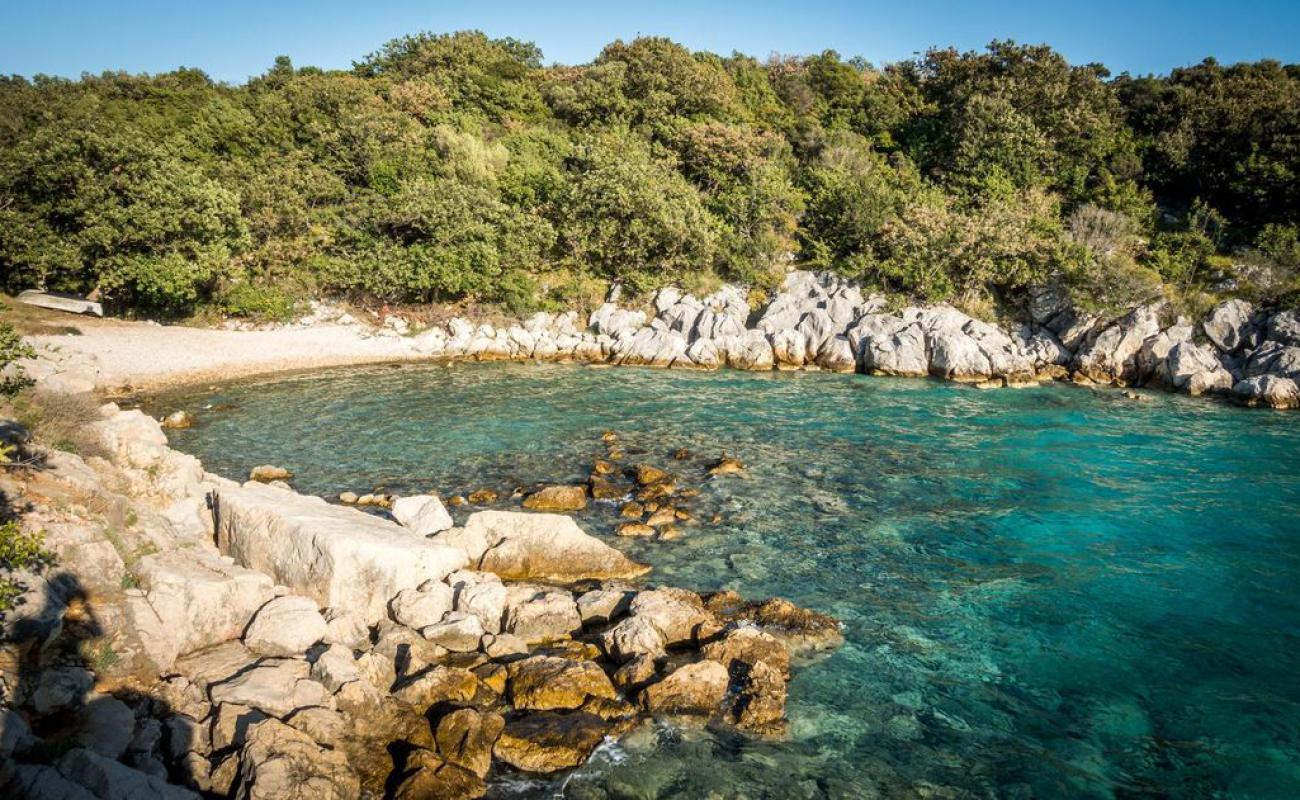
[[697, 688], [789, 348], [1268, 390], [704, 353], [524, 546], [744, 646], [275, 686], [1196, 369], [1111, 355], [610, 320], [422, 514], [465, 738], [557, 498], [837, 355], [749, 350], [481, 594], [1230, 325], [677, 614], [340, 557], [1284, 328], [107, 779], [286, 626], [650, 347], [428, 776], [191, 600], [1272, 358], [759, 702], [887, 345], [540, 613], [956, 356], [1152, 359], [633, 637], [422, 607], [278, 762], [550, 741], [458, 632], [544, 683]]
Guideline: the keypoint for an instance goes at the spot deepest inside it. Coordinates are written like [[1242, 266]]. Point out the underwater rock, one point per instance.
[[269, 472], [557, 498]]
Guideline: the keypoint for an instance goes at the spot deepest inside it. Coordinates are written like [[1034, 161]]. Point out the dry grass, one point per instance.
[[33, 321], [61, 421]]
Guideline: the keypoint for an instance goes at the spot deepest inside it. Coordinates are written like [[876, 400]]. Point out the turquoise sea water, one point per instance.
[[1049, 592]]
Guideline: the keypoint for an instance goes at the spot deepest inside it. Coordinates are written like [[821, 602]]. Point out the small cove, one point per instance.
[[1046, 592]]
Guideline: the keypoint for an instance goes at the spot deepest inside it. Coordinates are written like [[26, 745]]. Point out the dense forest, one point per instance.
[[458, 167]]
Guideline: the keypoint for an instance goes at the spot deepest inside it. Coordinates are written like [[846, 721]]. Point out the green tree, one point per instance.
[[632, 216]]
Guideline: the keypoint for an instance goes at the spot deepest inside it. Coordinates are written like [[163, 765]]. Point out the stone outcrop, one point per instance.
[[191, 600], [422, 514], [340, 557], [525, 546]]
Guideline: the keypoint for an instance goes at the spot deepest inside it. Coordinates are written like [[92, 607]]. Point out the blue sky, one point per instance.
[[233, 39]]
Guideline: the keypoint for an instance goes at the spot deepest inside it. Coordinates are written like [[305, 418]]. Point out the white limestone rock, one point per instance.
[[422, 514], [286, 626], [527, 546], [191, 600], [275, 686], [1230, 325], [420, 608], [538, 614], [338, 556]]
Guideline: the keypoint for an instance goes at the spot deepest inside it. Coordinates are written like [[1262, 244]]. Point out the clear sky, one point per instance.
[[234, 39]]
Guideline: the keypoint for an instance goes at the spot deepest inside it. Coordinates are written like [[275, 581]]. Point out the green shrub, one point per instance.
[[257, 301], [12, 348], [19, 550]]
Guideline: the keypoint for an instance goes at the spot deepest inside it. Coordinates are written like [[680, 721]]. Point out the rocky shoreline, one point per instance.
[[195, 636], [820, 321]]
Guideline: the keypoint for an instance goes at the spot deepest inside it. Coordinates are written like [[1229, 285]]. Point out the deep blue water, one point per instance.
[[1049, 592]]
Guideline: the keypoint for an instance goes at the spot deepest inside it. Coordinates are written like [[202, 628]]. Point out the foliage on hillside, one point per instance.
[[456, 166]]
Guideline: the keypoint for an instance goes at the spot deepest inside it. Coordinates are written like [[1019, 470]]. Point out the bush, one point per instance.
[[632, 217], [19, 551], [254, 300], [12, 348], [61, 421]]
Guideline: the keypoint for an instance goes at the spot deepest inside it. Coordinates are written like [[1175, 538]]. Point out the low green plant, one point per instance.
[[12, 348], [19, 550]]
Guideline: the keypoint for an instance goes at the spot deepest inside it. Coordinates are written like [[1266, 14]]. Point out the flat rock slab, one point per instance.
[[340, 557], [526, 546], [61, 302], [192, 600]]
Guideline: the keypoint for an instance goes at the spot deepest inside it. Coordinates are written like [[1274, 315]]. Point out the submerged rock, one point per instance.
[[557, 498], [727, 466], [178, 420], [269, 472]]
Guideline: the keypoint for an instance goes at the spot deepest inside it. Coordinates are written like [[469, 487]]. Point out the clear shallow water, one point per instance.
[[1050, 592]]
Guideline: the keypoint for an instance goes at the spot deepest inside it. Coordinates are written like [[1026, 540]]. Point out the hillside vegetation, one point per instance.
[[449, 167]]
